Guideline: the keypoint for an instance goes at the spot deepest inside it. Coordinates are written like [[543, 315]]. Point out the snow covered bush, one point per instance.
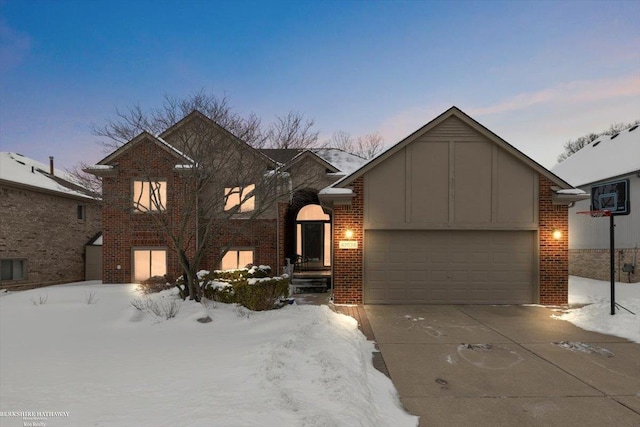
[[250, 287]]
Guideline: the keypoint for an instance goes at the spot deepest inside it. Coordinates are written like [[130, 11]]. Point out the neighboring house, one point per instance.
[[45, 222], [451, 214], [610, 158]]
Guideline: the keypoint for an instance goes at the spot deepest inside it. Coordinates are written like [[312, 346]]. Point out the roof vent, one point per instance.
[[633, 128], [596, 143], [615, 136]]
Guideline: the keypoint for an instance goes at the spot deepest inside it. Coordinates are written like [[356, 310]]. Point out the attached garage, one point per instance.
[[452, 214], [449, 267]]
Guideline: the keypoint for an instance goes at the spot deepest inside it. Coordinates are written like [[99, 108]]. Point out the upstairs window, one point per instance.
[[240, 196], [149, 196], [12, 269]]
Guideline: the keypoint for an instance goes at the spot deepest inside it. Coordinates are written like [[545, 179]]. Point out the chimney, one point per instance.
[[51, 166]]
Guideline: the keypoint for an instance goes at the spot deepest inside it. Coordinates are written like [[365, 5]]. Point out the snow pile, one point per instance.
[[110, 364], [597, 316]]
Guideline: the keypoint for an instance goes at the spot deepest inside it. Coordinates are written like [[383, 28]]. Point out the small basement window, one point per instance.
[[12, 269]]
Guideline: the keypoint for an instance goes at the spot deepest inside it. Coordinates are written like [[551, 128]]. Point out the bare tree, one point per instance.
[[86, 180], [573, 146], [366, 146], [134, 120], [292, 131], [218, 189]]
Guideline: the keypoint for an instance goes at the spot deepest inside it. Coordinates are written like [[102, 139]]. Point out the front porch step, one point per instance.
[[309, 285]]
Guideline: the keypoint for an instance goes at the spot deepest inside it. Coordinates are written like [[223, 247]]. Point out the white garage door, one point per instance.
[[449, 267]]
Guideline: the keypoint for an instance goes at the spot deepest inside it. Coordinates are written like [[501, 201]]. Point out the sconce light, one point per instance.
[[348, 233], [557, 234]]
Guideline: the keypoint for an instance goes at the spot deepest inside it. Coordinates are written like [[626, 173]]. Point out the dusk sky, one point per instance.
[[536, 73]]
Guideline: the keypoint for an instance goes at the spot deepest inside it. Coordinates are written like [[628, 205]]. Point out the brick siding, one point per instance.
[[553, 253], [348, 264], [595, 264], [44, 230], [125, 230]]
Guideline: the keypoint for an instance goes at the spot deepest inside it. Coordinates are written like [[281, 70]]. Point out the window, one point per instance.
[[148, 263], [237, 258], [80, 212], [12, 269], [149, 196], [242, 196]]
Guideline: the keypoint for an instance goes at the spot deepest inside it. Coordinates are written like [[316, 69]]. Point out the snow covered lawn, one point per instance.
[[597, 315], [109, 364]]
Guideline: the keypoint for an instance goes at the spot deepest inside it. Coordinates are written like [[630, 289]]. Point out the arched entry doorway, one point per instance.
[[313, 238], [307, 237]]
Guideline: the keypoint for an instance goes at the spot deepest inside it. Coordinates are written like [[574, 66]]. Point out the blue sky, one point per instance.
[[536, 73]]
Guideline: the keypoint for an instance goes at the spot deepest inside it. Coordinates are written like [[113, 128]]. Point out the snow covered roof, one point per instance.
[[343, 161], [607, 157], [21, 170], [339, 159]]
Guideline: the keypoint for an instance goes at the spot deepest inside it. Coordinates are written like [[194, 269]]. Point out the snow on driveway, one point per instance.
[[597, 315], [108, 364]]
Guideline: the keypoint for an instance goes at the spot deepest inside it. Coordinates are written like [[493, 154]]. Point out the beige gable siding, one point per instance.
[[451, 177]]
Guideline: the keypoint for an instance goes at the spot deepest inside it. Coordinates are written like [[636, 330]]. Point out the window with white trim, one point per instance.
[[149, 196], [149, 263], [13, 269], [240, 196], [236, 258]]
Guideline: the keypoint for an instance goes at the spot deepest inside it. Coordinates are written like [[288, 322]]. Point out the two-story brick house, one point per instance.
[[451, 214], [258, 219]]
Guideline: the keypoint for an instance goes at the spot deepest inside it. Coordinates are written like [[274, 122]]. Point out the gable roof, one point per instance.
[[334, 159], [607, 157], [22, 171], [281, 155], [451, 112], [138, 139], [197, 115]]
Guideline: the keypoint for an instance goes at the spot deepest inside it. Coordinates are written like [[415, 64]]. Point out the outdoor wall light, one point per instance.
[[348, 234], [557, 234]]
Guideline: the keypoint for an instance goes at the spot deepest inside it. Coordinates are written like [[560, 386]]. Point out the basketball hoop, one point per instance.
[[596, 214]]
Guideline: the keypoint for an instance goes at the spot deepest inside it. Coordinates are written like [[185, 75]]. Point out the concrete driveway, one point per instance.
[[506, 366]]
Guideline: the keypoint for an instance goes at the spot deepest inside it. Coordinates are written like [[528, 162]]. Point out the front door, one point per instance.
[[312, 241]]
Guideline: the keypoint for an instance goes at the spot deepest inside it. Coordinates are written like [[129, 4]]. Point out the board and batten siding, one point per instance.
[[451, 178]]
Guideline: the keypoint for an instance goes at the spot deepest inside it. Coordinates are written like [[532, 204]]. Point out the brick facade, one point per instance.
[[348, 264], [44, 230], [124, 229], [553, 253]]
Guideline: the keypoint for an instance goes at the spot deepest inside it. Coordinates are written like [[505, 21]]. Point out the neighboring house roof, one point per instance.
[[607, 157], [453, 111], [337, 159], [22, 171]]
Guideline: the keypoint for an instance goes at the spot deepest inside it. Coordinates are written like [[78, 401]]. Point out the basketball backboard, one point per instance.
[[612, 196]]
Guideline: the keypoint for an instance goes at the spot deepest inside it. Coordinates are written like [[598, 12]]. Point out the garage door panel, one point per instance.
[[449, 267]]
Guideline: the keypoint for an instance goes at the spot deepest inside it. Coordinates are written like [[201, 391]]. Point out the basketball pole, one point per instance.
[[612, 256]]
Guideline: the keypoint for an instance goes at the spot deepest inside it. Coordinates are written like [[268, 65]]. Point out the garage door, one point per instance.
[[449, 267]]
